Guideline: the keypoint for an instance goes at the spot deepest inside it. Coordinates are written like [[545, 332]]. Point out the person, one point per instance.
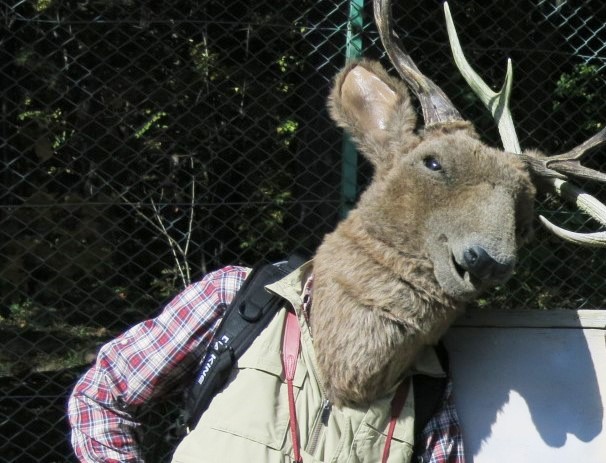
[[160, 355]]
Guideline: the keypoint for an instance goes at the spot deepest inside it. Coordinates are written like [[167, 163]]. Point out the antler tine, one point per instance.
[[496, 102], [587, 204], [436, 106], [569, 163], [584, 239], [552, 170]]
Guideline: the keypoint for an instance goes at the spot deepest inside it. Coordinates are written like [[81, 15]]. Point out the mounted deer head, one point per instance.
[[441, 221]]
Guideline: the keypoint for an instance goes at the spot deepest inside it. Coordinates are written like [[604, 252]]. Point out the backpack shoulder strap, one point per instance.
[[251, 310]]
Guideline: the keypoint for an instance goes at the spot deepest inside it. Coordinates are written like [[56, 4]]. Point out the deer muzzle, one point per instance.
[[473, 247]]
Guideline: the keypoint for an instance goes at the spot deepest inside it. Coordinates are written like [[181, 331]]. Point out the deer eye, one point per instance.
[[432, 163]]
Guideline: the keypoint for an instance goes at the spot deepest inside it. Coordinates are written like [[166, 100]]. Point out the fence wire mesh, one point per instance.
[[146, 143]]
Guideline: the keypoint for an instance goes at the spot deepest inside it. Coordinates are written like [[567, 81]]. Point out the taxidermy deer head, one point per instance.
[[440, 222]]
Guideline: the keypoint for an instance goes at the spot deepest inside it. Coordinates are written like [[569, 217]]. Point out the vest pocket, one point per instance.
[[370, 447]]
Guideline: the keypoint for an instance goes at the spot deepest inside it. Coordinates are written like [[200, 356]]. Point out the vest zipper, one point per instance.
[[319, 427], [321, 422]]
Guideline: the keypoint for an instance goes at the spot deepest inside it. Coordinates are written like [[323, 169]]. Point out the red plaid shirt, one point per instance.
[[156, 355]]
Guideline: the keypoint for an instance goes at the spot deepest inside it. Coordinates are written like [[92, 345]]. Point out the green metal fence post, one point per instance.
[[349, 155]]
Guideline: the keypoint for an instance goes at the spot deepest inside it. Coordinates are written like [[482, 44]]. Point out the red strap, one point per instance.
[[397, 404], [290, 354]]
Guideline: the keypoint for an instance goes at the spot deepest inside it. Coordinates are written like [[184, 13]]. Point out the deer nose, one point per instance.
[[484, 267]]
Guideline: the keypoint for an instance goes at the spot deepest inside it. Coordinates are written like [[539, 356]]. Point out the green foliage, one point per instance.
[[287, 130], [50, 125], [265, 234], [585, 88], [42, 5], [204, 61], [21, 313], [151, 122], [139, 145]]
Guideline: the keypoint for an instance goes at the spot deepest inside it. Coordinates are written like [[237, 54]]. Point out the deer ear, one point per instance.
[[373, 107]]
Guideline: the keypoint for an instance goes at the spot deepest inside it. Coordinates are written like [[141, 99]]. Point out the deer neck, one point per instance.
[[374, 307]]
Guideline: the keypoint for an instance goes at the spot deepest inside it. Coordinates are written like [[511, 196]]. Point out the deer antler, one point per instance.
[[496, 102], [569, 164], [436, 106], [553, 170]]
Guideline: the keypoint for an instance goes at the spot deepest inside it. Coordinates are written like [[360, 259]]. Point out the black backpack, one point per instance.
[[247, 315]]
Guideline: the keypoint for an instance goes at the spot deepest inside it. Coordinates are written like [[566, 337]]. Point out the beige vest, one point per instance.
[[249, 420]]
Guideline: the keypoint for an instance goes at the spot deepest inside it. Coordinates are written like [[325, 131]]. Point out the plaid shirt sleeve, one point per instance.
[[146, 361], [442, 434]]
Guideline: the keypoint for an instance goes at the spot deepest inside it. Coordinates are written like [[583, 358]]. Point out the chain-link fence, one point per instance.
[[145, 143]]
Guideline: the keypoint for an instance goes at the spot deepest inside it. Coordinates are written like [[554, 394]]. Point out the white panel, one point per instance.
[[530, 394]]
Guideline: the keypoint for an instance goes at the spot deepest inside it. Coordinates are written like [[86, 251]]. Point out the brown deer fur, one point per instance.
[[391, 277]]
